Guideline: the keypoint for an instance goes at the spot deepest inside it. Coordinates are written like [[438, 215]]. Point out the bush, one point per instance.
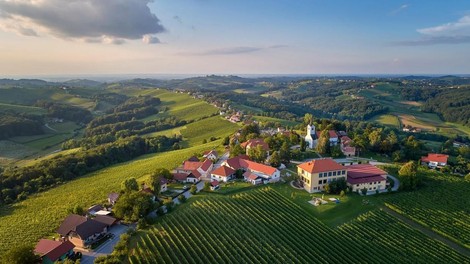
[[182, 198]]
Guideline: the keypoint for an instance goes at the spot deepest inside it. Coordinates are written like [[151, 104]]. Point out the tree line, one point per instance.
[[18, 183], [15, 124]]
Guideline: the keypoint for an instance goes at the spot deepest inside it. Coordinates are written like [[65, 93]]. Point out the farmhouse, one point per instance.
[[223, 173], [51, 251], [315, 174], [435, 160], [264, 172], [346, 147], [210, 155], [254, 143], [367, 176], [81, 230], [192, 171]]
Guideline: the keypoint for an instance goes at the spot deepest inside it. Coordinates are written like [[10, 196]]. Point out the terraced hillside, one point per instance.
[[262, 226]]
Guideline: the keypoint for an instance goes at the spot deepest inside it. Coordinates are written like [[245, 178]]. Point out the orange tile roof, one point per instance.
[[441, 158], [253, 143], [223, 171], [191, 165], [321, 165], [253, 166]]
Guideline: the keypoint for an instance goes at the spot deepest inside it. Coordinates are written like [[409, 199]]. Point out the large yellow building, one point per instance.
[[316, 173]]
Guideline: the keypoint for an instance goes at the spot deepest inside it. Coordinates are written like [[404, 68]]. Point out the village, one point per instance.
[[86, 234]]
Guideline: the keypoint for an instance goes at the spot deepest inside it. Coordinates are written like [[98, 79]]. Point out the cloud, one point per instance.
[[106, 21], [449, 33], [234, 50], [400, 9], [177, 18], [149, 39]]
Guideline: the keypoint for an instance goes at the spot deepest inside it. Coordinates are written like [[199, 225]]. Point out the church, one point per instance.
[[311, 138]]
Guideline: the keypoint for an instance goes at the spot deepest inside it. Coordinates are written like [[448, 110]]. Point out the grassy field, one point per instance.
[[41, 214], [263, 226], [22, 109], [387, 120]]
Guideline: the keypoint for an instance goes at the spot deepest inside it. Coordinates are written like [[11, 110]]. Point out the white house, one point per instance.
[[434, 160], [223, 173], [211, 155]]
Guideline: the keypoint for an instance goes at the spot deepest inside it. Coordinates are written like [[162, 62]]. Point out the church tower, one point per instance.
[[311, 137]]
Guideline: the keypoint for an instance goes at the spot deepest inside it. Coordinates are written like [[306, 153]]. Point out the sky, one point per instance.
[[93, 37]]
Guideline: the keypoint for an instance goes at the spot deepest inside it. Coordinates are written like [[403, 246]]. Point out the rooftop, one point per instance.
[[321, 165]]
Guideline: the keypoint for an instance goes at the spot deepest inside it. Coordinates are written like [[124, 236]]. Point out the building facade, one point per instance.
[[315, 174]]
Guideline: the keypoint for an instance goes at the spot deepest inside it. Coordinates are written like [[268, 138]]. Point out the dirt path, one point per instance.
[[462, 250]]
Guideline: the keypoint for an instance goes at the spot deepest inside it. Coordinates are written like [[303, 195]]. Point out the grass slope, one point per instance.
[[40, 215], [22, 109]]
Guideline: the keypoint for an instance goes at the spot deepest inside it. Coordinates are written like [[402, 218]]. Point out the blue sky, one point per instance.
[[53, 37]]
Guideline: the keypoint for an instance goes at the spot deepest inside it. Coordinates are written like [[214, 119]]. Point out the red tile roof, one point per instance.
[[196, 174], [321, 165], [180, 176], [53, 249], [364, 173], [191, 165], [253, 143], [364, 170], [332, 134], [253, 166], [223, 171], [441, 158], [233, 163], [206, 165], [214, 183], [208, 152], [250, 176]]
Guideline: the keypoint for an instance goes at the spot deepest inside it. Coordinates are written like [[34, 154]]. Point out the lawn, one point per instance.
[[283, 122], [40, 215]]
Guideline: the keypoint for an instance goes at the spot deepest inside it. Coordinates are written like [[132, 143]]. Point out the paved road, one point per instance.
[[187, 193], [222, 158], [107, 247]]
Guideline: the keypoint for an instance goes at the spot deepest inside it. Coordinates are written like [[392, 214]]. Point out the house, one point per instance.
[[51, 251], [205, 168], [214, 185], [252, 178], [211, 155], [94, 208], [81, 230], [254, 143], [316, 173], [367, 176], [334, 139], [106, 219], [147, 190], [112, 198], [223, 173], [265, 172], [193, 177], [434, 160], [346, 147], [163, 185]]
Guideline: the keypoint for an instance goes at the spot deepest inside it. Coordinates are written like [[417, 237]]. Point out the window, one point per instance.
[[320, 175], [357, 185], [329, 173], [319, 182], [324, 181], [343, 172], [370, 189], [334, 173]]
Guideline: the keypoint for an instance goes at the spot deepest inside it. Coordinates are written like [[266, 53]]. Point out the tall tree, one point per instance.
[[323, 146], [155, 183], [129, 184], [285, 153], [20, 255], [132, 206], [275, 159], [408, 174]]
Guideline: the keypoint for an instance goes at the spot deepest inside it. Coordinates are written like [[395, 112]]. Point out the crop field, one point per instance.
[[22, 109], [11, 151], [41, 214], [409, 113], [443, 205], [206, 128], [387, 120], [283, 122], [262, 226]]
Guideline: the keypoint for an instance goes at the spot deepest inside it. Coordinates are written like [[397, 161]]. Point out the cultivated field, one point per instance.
[[387, 120], [443, 204], [262, 226], [41, 214]]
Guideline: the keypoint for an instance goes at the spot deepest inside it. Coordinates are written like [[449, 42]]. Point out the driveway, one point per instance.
[[222, 158], [187, 193], [107, 247]]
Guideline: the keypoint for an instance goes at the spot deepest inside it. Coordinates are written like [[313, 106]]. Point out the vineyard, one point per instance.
[[443, 204], [262, 226]]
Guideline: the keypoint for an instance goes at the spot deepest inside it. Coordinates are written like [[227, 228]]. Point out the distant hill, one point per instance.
[[83, 83]]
